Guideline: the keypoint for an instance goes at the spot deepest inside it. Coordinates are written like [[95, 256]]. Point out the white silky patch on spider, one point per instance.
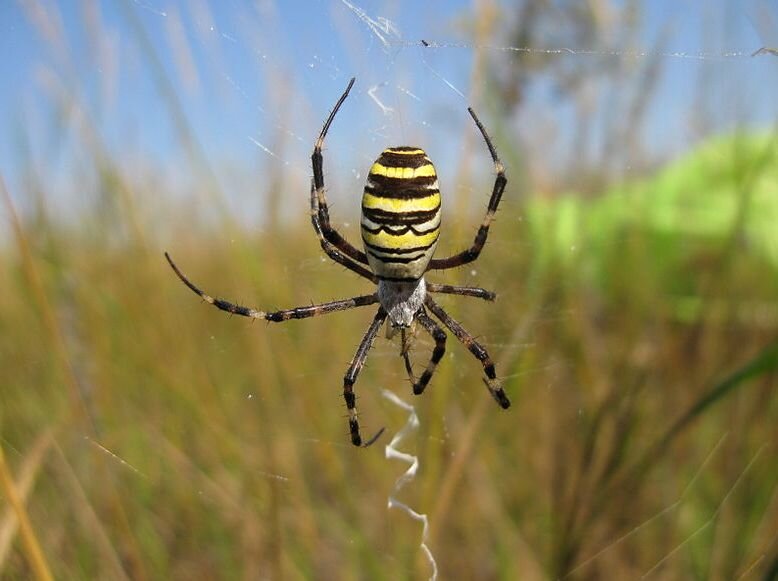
[[401, 300], [392, 452]]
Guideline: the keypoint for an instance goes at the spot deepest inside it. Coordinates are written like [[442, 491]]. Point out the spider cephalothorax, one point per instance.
[[400, 227]]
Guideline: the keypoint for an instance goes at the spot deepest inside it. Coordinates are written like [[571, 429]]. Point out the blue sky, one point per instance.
[[255, 80]]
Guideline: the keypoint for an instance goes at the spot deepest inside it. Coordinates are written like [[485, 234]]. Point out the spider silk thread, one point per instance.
[[392, 452]]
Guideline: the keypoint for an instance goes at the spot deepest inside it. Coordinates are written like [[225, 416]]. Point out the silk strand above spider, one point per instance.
[[400, 229]]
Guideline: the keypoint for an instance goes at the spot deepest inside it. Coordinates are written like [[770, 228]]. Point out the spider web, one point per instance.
[[414, 84], [389, 35]]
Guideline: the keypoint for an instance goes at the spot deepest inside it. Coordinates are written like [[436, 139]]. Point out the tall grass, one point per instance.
[[210, 446], [148, 436]]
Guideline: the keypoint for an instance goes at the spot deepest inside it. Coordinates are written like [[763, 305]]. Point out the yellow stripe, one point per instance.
[[405, 173], [372, 202], [408, 240], [401, 152], [424, 171]]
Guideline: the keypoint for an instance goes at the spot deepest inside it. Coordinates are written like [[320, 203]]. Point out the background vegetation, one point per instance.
[[146, 436]]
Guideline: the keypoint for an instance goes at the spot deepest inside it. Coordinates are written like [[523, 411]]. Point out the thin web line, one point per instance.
[[380, 26], [384, 29], [723, 55], [712, 518], [656, 516]]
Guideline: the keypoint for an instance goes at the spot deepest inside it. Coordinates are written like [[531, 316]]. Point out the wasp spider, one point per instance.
[[400, 229]]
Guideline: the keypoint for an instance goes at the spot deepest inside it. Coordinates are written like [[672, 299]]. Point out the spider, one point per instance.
[[400, 226]]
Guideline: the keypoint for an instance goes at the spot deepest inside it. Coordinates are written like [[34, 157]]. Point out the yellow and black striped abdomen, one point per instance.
[[401, 213]]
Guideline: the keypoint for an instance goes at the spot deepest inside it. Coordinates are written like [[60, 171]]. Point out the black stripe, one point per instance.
[[385, 183], [399, 250], [396, 259], [399, 218], [415, 160], [405, 148], [400, 231], [400, 193]]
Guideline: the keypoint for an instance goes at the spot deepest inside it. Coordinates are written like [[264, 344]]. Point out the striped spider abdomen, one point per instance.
[[401, 214]]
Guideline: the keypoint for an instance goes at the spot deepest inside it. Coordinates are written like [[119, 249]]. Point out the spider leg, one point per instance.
[[353, 372], [277, 316], [437, 353], [465, 291], [329, 248], [472, 253], [405, 354], [491, 381], [323, 228]]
